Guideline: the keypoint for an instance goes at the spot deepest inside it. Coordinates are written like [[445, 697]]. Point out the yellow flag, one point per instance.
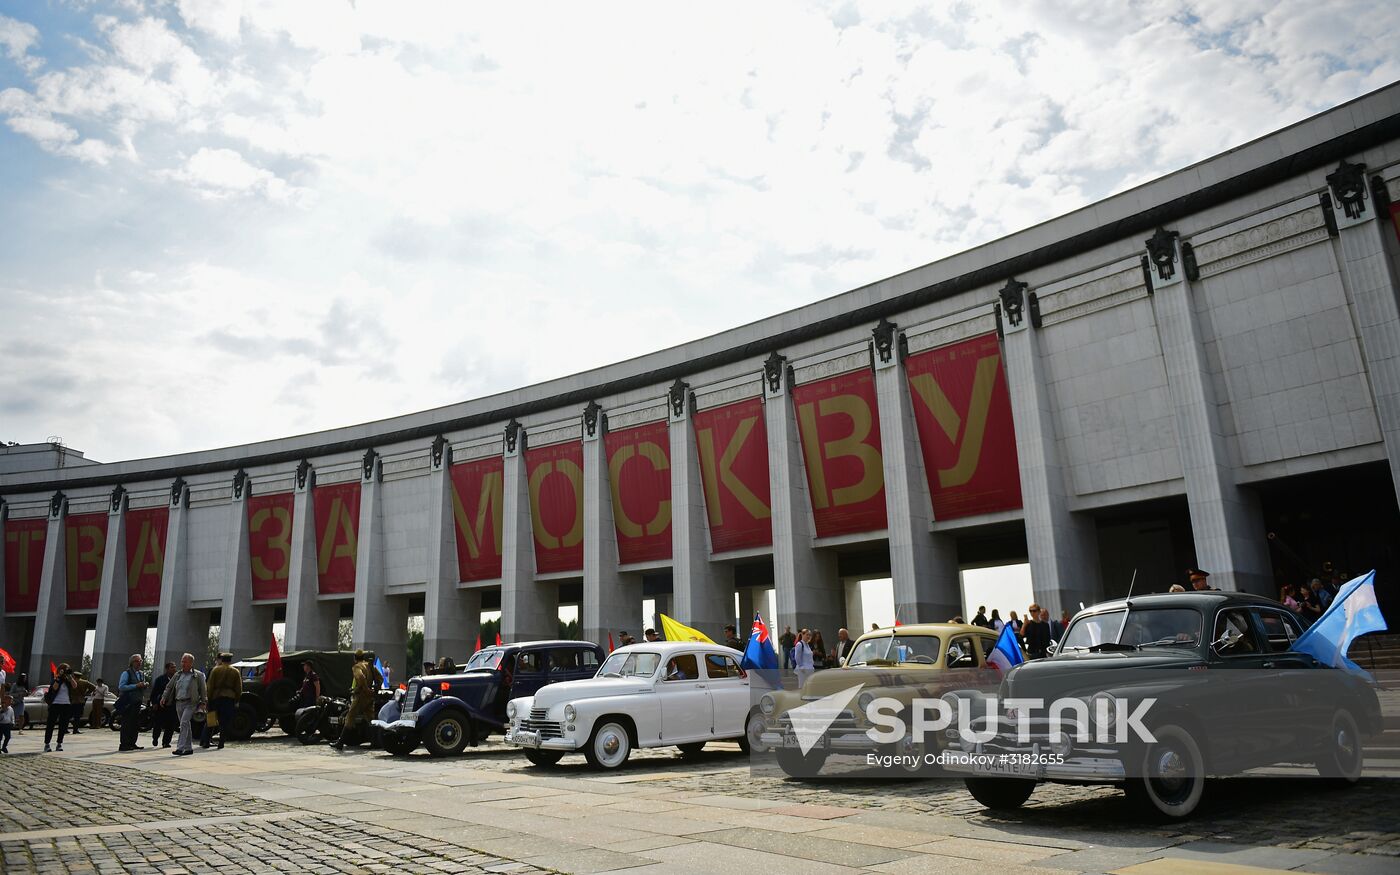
[[674, 631]]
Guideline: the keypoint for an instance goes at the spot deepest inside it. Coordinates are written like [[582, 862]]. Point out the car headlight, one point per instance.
[[1106, 706], [425, 693], [863, 701], [569, 713], [1061, 744], [510, 710], [766, 704]]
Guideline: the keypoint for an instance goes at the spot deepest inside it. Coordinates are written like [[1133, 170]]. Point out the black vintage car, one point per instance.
[[1212, 678], [447, 712]]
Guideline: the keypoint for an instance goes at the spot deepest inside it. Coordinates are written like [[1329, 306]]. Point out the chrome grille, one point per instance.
[[410, 700], [538, 713], [546, 728]]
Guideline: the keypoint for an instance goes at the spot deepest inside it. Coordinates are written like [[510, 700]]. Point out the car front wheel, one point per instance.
[[752, 739], [447, 734], [796, 764], [1342, 757], [609, 747], [1000, 794], [1172, 774], [399, 745]]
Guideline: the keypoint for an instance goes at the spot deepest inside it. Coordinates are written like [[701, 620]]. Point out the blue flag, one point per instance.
[[1353, 613], [382, 673], [1007, 651], [759, 653]]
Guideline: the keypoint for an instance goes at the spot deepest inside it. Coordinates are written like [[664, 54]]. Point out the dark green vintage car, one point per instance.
[[1209, 678]]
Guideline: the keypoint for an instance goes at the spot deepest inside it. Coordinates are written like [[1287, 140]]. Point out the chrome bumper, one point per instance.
[[856, 742], [405, 726]]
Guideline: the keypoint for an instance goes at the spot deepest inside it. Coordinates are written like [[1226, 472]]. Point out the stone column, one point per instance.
[[527, 614], [57, 638], [1062, 545], [451, 615], [240, 631], [855, 609], [609, 598], [1227, 523], [381, 622], [179, 630], [118, 633], [703, 591], [809, 592], [311, 623], [923, 565], [1371, 284]]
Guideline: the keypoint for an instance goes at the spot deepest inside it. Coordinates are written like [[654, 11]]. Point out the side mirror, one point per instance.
[[1054, 645]]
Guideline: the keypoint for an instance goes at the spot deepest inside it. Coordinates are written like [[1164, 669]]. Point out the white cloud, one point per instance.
[[220, 173], [17, 38], [381, 194]]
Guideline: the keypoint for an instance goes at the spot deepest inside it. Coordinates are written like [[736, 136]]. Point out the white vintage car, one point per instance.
[[645, 695]]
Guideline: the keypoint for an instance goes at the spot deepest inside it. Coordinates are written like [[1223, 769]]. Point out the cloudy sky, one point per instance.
[[229, 220]]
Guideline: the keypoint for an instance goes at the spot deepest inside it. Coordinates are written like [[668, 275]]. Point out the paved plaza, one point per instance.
[[273, 805]]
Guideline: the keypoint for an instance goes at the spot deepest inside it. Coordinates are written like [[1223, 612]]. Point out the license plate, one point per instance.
[[524, 738], [1012, 767]]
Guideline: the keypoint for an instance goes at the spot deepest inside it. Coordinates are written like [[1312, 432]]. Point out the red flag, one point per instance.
[[610, 643], [498, 639], [896, 621], [53, 667], [7, 662], [273, 671], [478, 644]]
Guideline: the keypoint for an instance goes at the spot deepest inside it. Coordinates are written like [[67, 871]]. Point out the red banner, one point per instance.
[[732, 443], [556, 505], [639, 472], [839, 422], [24, 562], [85, 545], [270, 543], [963, 411], [145, 555], [337, 536], [477, 491]]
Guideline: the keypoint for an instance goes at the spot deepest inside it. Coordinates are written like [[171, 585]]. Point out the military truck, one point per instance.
[[263, 704]]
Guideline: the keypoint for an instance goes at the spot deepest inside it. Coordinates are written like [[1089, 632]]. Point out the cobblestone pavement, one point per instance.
[[60, 816], [274, 805]]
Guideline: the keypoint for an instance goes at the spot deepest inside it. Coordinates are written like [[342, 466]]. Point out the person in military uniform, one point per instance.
[[1199, 580], [361, 698]]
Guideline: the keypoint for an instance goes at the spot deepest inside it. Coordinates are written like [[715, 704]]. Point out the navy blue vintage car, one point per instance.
[[447, 712]]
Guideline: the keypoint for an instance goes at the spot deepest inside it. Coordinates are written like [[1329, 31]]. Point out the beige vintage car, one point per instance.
[[923, 660]]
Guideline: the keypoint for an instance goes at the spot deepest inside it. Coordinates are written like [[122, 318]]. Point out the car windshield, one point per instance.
[[1146, 627], [630, 665], [485, 659], [921, 649]]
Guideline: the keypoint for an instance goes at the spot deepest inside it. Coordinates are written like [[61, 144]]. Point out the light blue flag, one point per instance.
[[1353, 613], [1007, 651]]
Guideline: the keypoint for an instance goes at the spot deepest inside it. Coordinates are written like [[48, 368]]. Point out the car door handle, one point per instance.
[[699, 686], [1266, 665]]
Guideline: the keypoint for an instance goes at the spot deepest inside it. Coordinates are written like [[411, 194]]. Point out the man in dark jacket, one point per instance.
[[162, 716], [1036, 634], [981, 618]]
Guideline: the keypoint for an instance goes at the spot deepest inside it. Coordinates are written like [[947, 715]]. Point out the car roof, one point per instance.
[[557, 642], [1193, 599], [665, 648], [929, 629]]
